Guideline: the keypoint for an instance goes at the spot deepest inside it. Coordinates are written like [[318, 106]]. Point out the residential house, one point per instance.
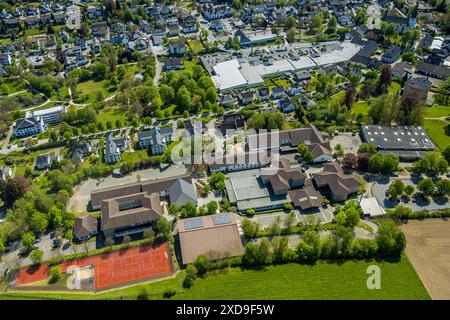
[[173, 63], [189, 24], [45, 161], [392, 54], [173, 29], [278, 92], [402, 70], [432, 70], [246, 97], [232, 122], [111, 151], [82, 150], [217, 26], [212, 12], [420, 85], [26, 127], [156, 139], [263, 94], [94, 12], [286, 105], [177, 47]]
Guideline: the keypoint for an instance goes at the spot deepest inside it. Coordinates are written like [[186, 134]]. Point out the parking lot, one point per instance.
[[350, 143]]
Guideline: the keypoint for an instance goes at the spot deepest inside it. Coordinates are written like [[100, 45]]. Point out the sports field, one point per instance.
[[428, 248], [292, 281], [113, 269]]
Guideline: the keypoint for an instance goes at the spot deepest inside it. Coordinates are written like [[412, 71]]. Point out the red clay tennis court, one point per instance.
[[115, 268]]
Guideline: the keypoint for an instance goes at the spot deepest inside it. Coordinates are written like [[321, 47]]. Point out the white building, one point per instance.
[[50, 115]]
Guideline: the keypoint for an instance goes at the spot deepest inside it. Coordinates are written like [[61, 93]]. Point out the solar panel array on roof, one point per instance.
[[221, 219], [193, 223]]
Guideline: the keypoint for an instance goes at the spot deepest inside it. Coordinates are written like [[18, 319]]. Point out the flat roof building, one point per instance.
[[407, 142], [215, 236]]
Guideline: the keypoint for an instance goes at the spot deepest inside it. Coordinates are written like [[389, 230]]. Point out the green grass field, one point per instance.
[[438, 130], [437, 111], [291, 281]]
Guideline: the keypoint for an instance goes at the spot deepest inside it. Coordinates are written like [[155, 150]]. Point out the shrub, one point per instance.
[[169, 293], [190, 276], [143, 295], [55, 274]]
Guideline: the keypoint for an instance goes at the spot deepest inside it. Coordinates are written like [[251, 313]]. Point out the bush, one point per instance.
[[55, 274], [202, 265], [169, 293], [190, 276], [143, 295]]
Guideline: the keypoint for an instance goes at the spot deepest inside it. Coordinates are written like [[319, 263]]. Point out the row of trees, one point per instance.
[[389, 243]]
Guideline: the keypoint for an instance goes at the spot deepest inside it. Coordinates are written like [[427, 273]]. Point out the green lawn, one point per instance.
[[91, 89], [439, 132], [437, 111], [112, 114], [134, 157], [292, 281]]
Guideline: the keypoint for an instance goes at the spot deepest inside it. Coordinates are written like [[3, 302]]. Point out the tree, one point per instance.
[[13, 189], [350, 96], [396, 188], [188, 210], [412, 109], [385, 78], [249, 228], [163, 227], [38, 222], [309, 249], [290, 22], [202, 265], [189, 278], [446, 153], [212, 207], [338, 151], [289, 222], [55, 274], [443, 187], [290, 35], [28, 239], [348, 215], [350, 160], [275, 228], [174, 209], [36, 256], [401, 211], [427, 187], [409, 190], [332, 24], [432, 162], [367, 148], [390, 239]]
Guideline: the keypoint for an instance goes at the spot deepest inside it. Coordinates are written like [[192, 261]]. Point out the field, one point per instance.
[[439, 132], [291, 281], [437, 111], [428, 248]]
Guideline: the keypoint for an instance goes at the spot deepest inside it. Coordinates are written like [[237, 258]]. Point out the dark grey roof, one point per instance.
[[183, 191], [397, 137], [26, 123]]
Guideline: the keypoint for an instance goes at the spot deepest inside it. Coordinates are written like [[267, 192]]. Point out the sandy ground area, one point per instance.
[[428, 249]]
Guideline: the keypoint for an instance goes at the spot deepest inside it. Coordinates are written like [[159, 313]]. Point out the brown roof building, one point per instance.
[[215, 236], [283, 178], [129, 214], [160, 186], [307, 197], [85, 227], [339, 184]]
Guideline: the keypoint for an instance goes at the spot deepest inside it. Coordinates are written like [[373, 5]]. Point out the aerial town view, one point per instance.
[[224, 150]]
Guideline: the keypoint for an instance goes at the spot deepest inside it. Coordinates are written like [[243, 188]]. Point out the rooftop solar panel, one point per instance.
[[221, 219], [193, 223]]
